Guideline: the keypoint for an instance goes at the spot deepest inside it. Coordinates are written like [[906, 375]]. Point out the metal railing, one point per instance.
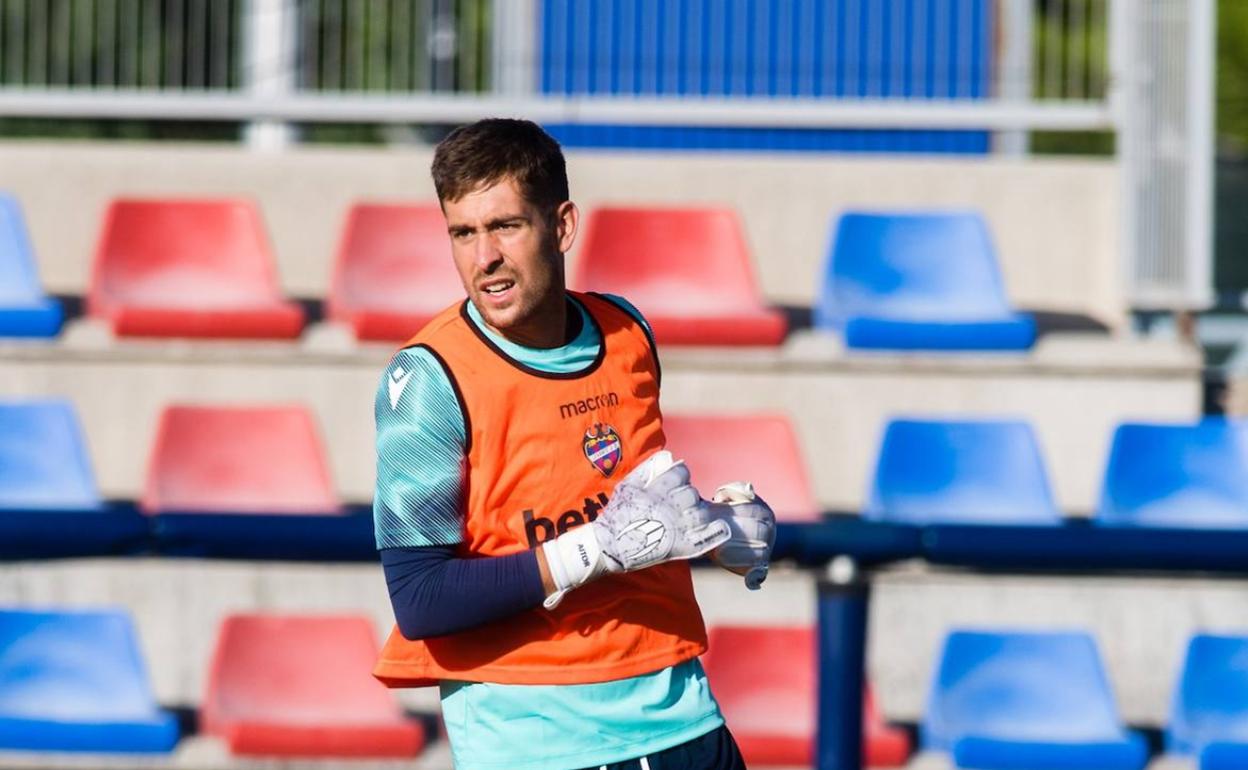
[[1141, 69]]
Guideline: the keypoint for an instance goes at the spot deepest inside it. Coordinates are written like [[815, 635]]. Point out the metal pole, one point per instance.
[[514, 66], [844, 596], [1122, 96], [269, 65], [1201, 101], [1017, 23]]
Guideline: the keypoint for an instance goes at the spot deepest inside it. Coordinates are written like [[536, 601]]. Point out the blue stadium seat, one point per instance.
[[1026, 700], [1209, 710], [43, 458], [25, 311], [918, 281], [973, 472], [49, 505], [74, 681], [1182, 476]]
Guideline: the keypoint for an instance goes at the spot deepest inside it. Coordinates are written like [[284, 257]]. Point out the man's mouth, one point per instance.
[[497, 288]]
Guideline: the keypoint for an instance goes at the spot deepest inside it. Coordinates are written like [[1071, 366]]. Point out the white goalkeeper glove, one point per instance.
[[753, 524], [654, 516]]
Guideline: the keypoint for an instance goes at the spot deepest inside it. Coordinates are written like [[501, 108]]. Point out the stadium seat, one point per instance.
[[188, 268], [960, 472], [247, 482], [74, 681], [687, 270], [49, 504], [1209, 710], [1177, 476], [918, 281], [43, 458], [393, 271], [25, 311], [302, 686], [765, 679], [1026, 700], [237, 459], [757, 448]]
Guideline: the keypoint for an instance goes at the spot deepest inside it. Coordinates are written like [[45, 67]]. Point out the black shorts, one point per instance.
[[714, 751]]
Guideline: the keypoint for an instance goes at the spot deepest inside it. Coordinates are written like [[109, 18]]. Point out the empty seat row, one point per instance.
[[209, 464], [278, 686], [302, 686], [993, 472], [204, 268], [998, 699]]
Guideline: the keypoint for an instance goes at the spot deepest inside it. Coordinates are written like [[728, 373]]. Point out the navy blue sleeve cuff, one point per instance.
[[434, 592]]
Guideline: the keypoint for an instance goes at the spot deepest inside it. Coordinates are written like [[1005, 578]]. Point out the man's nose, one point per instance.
[[487, 254]]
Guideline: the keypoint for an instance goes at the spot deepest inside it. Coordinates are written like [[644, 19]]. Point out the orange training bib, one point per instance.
[[544, 454]]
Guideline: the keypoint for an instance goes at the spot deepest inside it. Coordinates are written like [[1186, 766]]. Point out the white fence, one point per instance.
[[1141, 69]]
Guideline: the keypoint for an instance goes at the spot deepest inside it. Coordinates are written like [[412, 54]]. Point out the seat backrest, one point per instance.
[[1210, 701], [764, 676], [768, 676], [72, 666], [266, 459], [761, 449], [193, 254], [43, 458], [1047, 686], [19, 279], [1177, 475], [394, 257], [673, 261], [296, 669], [911, 266], [974, 472]]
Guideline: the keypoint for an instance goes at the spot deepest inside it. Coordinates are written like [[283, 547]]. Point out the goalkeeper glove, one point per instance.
[[753, 524], [654, 516]]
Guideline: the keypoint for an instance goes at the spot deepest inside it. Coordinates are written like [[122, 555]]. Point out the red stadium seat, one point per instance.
[[393, 271], [303, 687], [757, 448], [687, 270], [238, 460], [765, 681], [188, 268]]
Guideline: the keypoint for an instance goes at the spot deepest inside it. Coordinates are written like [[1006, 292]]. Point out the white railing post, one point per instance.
[[1122, 96], [1162, 99], [1201, 100], [514, 52], [269, 65], [1017, 43]]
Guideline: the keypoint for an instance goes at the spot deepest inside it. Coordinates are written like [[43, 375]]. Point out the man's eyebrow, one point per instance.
[[505, 219], [495, 222]]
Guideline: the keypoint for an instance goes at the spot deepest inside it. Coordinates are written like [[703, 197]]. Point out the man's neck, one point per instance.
[[552, 329]]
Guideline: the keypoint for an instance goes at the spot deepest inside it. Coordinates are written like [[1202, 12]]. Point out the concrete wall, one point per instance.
[[1055, 221]]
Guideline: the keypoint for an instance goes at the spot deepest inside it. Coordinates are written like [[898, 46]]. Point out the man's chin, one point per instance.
[[498, 319]]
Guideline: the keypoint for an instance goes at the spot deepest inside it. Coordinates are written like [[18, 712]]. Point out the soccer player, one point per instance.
[[533, 530]]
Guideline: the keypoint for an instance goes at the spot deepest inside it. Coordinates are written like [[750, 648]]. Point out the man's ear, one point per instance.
[[567, 219]]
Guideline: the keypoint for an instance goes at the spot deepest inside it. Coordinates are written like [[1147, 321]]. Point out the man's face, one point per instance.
[[509, 255]]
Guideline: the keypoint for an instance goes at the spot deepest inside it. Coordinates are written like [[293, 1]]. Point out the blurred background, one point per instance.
[[970, 275]]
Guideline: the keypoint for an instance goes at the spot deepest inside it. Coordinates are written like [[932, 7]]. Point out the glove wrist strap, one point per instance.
[[574, 559]]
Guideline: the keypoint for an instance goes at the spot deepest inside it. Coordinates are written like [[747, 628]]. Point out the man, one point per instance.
[[536, 554]]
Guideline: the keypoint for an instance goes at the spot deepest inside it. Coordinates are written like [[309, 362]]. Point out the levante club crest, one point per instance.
[[603, 448]]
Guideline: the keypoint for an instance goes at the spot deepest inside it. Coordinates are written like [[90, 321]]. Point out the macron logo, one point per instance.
[[398, 381]]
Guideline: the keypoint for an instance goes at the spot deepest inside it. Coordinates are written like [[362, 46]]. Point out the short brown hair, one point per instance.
[[482, 153]]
